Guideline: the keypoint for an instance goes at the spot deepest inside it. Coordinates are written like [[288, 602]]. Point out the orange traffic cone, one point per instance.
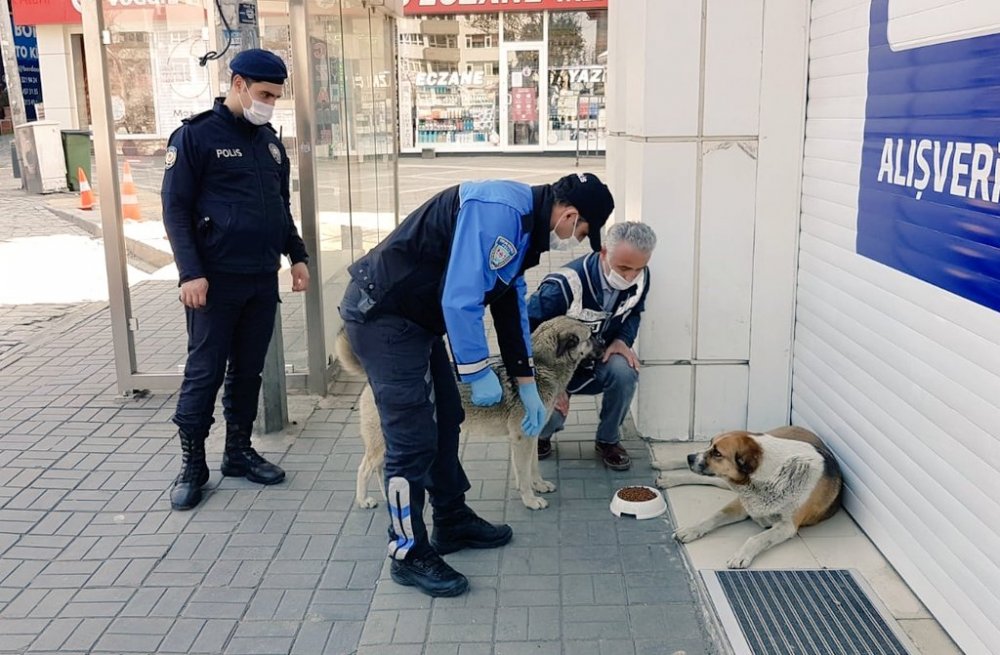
[[130, 199], [86, 195]]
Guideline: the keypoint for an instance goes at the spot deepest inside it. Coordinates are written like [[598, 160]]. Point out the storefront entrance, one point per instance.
[[522, 69]]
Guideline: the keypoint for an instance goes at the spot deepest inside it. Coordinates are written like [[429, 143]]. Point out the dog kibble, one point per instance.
[[636, 494]]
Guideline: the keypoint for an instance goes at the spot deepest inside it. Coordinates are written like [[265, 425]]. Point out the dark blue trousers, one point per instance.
[[421, 413], [227, 341]]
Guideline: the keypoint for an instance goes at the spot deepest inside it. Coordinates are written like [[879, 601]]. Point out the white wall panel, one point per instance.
[[725, 261], [668, 179], [733, 41], [720, 399], [671, 52], [900, 377], [664, 402]]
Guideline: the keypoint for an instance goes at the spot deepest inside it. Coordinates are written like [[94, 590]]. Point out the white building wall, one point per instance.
[[705, 146], [901, 378], [56, 69]]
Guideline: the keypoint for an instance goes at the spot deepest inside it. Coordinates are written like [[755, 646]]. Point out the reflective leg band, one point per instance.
[[399, 511]]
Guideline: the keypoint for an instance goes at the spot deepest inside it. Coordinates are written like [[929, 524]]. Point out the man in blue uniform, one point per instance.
[[608, 291], [226, 211], [465, 248]]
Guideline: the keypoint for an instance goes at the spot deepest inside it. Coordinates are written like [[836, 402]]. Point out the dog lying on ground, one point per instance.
[[558, 345], [784, 479]]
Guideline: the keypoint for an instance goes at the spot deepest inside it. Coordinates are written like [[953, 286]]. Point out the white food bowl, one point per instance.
[[641, 510]]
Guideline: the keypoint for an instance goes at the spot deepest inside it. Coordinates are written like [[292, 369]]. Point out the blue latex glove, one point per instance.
[[534, 409], [486, 391]]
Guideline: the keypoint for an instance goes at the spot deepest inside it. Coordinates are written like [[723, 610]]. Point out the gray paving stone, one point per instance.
[[213, 636], [182, 636], [528, 647], [55, 634]]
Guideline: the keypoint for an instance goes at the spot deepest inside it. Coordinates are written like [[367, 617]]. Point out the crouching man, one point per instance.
[[606, 290]]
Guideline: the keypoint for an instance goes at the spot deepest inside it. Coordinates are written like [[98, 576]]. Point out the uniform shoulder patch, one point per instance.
[[502, 253], [170, 158], [275, 152]]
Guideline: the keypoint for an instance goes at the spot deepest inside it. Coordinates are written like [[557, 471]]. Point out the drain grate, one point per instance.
[[801, 612]]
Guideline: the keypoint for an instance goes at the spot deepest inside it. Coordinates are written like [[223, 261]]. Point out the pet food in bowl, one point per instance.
[[638, 501]]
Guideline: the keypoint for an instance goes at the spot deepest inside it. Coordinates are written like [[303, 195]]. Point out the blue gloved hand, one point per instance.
[[534, 409], [486, 391]]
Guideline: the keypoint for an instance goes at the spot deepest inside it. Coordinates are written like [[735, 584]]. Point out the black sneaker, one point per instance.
[[430, 574], [544, 448], [468, 531]]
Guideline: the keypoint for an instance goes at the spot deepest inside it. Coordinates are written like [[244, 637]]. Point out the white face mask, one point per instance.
[[617, 282], [258, 113], [557, 242]]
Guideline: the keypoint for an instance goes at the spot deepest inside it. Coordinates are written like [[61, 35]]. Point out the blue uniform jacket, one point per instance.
[[464, 249], [576, 291], [226, 198]]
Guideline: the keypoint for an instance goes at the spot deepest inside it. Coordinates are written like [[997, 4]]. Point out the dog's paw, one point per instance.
[[666, 481], [739, 561], [687, 535], [367, 503], [543, 486], [534, 502]]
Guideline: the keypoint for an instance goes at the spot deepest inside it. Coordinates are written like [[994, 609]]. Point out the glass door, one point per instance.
[[522, 73]]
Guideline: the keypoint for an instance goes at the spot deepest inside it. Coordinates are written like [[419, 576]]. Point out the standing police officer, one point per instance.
[[465, 248], [226, 211]]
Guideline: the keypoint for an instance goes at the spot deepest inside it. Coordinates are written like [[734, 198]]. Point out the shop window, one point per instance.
[[578, 46], [523, 26]]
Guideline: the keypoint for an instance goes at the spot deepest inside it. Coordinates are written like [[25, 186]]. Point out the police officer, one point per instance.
[[607, 290], [226, 211], [465, 248]]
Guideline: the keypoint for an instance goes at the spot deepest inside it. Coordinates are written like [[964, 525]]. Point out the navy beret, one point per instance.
[[259, 65]]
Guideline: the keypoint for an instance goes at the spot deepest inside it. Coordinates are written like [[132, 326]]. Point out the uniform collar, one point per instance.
[[226, 114], [541, 214]]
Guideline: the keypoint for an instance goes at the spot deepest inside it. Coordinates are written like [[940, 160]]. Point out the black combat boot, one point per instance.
[[186, 492], [464, 529], [430, 574], [240, 460]]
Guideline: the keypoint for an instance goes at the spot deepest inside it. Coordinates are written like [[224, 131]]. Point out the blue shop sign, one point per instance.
[[26, 49], [929, 200]]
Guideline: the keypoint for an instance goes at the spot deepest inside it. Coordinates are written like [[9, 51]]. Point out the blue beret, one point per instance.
[[259, 65]]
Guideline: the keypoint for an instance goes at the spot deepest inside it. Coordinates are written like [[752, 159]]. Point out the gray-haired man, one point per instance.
[[608, 291]]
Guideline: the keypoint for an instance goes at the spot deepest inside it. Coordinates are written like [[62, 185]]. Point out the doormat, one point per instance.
[[802, 612]]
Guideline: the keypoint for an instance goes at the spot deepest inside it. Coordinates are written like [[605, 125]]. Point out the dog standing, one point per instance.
[[784, 479], [559, 345]]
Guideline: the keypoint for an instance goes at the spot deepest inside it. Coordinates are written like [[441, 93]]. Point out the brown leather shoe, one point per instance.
[[615, 457], [544, 448]]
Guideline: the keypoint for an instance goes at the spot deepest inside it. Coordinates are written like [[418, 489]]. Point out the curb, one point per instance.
[[143, 252]]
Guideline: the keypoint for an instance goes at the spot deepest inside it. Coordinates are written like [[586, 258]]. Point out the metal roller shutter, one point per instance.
[[897, 340]]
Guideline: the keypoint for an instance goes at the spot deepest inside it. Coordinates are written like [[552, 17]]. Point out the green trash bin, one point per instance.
[[76, 148]]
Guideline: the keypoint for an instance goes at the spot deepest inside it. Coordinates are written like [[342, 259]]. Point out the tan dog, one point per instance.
[[784, 479], [558, 345]]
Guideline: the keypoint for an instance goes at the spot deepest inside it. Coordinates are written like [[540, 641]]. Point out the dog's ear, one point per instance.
[[748, 456], [567, 342]]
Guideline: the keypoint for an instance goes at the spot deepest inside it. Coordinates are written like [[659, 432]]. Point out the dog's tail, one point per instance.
[[345, 354]]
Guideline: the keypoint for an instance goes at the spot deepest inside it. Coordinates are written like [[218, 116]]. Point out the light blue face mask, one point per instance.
[[557, 242]]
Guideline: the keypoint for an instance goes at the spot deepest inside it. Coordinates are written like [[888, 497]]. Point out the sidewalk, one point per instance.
[[93, 560]]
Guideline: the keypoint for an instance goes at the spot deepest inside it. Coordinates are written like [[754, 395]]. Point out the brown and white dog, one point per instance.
[[784, 479]]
